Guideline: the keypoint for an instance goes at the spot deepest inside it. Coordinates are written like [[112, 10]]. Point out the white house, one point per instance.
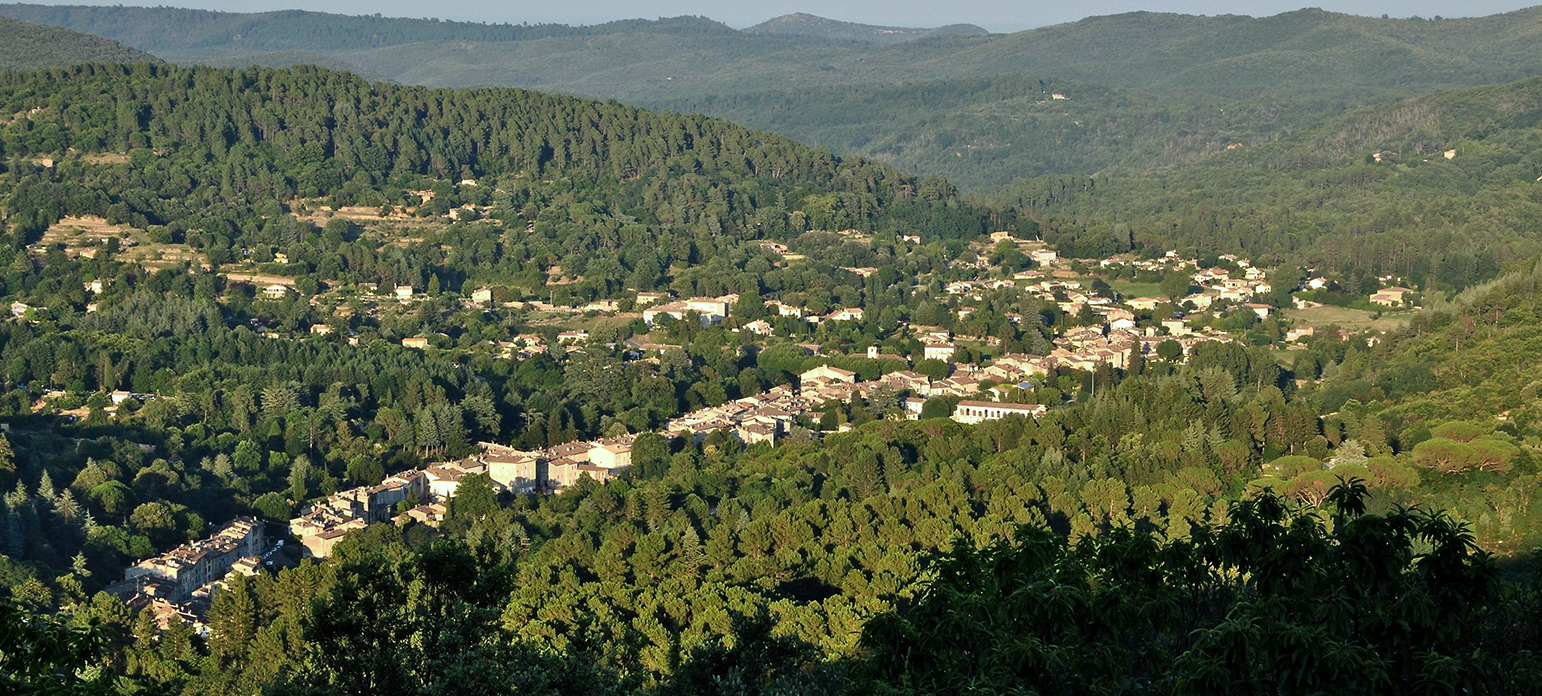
[[971, 412], [939, 351]]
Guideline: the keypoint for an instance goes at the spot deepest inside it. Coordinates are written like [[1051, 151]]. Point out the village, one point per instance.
[[974, 381]]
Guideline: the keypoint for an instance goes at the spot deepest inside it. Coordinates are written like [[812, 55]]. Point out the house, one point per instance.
[[1044, 257], [677, 310], [1262, 310], [849, 314], [516, 470], [1001, 236], [94, 287], [564, 472], [442, 480], [1298, 333], [404, 292], [759, 327], [1144, 303], [785, 310], [903, 380], [711, 310], [320, 329], [432, 515], [417, 342], [1391, 297], [829, 374], [281, 257], [754, 433], [1119, 319], [1201, 300], [1175, 327], [276, 291], [939, 351], [648, 299], [573, 337], [708, 306], [971, 412], [482, 295], [614, 455]]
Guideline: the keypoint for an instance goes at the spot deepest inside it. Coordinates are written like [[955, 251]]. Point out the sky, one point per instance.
[[995, 15]]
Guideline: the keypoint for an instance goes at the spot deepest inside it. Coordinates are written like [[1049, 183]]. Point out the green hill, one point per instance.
[[983, 133], [1322, 197], [800, 24], [1227, 55], [30, 45], [1146, 90]]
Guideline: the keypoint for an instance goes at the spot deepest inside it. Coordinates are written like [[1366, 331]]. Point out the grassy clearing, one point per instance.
[[1348, 318], [1131, 289]]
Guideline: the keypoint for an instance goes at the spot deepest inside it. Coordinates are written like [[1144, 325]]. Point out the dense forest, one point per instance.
[[31, 45], [1233, 56], [985, 133], [1145, 91], [1442, 189], [211, 151], [801, 24]]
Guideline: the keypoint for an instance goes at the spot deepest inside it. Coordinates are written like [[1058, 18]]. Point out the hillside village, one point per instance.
[[967, 378]]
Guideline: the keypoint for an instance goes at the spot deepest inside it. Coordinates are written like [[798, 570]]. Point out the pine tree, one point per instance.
[[45, 487], [429, 438], [17, 497], [232, 620], [299, 476], [66, 506], [15, 541], [7, 455], [692, 556]]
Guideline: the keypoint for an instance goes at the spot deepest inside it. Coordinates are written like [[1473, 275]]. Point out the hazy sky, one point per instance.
[[996, 15]]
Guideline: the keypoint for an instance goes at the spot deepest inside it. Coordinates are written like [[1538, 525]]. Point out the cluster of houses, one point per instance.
[[422, 495], [180, 583], [769, 416], [713, 310]]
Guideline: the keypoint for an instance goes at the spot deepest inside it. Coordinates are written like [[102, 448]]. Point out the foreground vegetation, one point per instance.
[[1273, 598]]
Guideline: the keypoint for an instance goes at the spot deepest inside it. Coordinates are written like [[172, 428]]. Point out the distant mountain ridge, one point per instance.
[[1232, 56], [801, 24], [29, 45], [302, 30], [1148, 90]]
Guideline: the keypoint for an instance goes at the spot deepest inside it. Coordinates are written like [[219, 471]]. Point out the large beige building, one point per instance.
[[190, 566], [321, 527]]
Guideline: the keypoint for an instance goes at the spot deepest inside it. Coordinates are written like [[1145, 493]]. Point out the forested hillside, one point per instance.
[[209, 149], [1442, 188], [205, 269], [987, 132], [29, 45], [1228, 55], [1144, 90], [800, 24]]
